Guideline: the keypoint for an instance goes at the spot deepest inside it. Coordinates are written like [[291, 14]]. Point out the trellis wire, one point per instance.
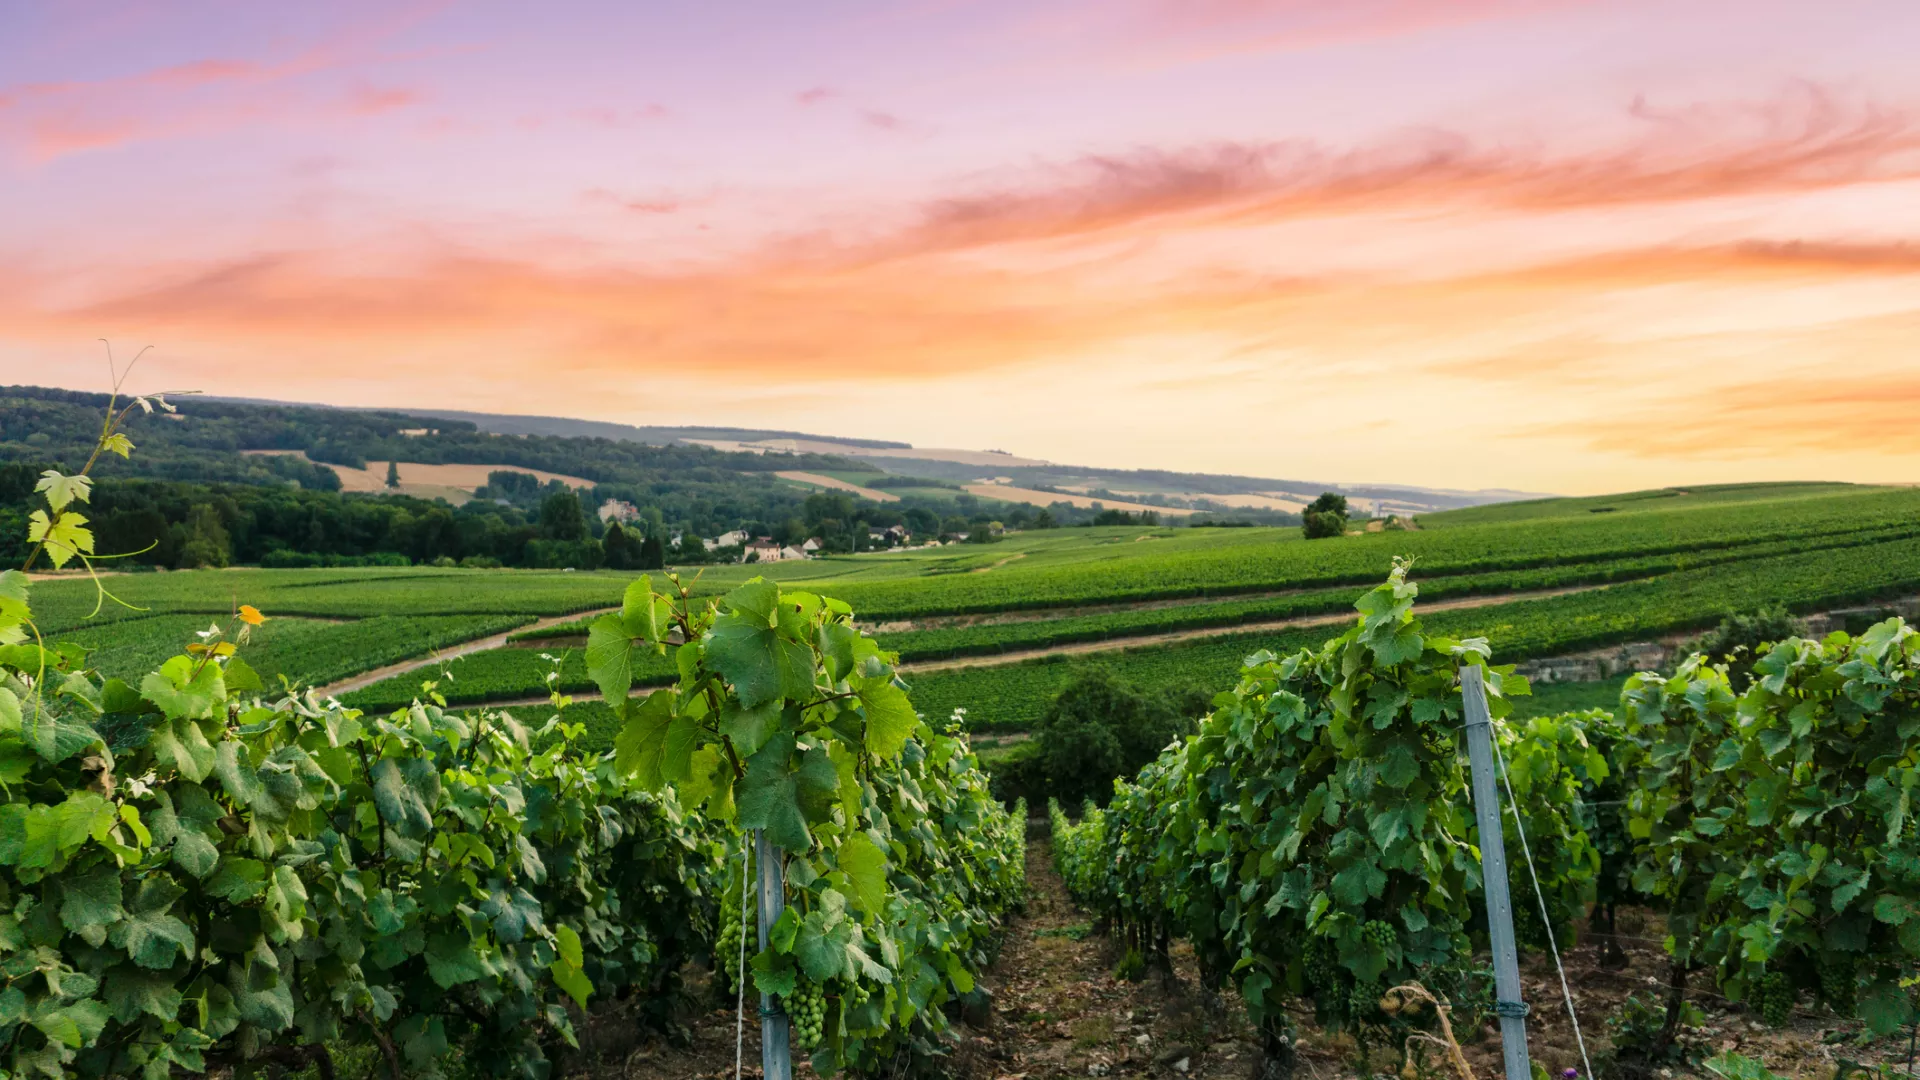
[[1540, 894]]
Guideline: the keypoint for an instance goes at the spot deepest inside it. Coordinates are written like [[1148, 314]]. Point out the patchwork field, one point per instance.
[[995, 628], [455, 483]]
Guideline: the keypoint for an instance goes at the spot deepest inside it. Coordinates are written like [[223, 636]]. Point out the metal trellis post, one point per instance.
[[1493, 871], [776, 1055]]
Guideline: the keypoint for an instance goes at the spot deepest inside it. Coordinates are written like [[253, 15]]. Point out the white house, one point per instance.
[[810, 546], [727, 539], [618, 510]]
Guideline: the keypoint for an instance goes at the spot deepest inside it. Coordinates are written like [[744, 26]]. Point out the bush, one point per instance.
[[1319, 525], [1097, 729], [1739, 640]]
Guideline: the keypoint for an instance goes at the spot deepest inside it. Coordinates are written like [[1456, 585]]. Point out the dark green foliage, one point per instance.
[[1328, 503], [1321, 525], [1741, 639], [561, 517], [1638, 1031], [1097, 729]]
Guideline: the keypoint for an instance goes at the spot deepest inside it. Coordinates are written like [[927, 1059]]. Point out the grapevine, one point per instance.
[[788, 720]]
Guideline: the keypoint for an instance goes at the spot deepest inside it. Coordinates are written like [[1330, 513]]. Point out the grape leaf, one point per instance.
[[640, 746], [890, 716], [610, 657], [181, 691], [61, 489], [769, 796], [149, 934], [866, 868], [64, 537]]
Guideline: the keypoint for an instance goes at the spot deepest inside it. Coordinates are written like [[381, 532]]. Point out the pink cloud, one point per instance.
[[49, 120], [370, 101], [609, 117], [815, 95], [1245, 25], [660, 204], [885, 121]]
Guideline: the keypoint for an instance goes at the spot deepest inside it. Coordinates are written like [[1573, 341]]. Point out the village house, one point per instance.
[[618, 510], [726, 539]]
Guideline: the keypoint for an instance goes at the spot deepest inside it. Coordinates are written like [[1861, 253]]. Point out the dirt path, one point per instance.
[[1058, 1010], [494, 641], [998, 565], [1146, 640]]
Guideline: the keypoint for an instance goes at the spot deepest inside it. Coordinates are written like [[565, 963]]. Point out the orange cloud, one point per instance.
[[1806, 139]]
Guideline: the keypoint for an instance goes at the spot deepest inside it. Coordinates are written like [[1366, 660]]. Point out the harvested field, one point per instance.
[[837, 485]]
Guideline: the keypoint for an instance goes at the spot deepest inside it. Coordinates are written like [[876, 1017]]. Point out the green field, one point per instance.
[[1658, 563]]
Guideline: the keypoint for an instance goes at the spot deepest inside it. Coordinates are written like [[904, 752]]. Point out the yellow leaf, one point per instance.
[[63, 537], [225, 648], [251, 615]]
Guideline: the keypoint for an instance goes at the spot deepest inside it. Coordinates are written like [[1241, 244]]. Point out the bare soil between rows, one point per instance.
[[1058, 1011]]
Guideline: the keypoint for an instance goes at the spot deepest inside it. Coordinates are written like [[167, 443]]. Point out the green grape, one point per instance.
[[1775, 996], [1380, 934], [807, 1012], [726, 947], [1320, 971], [1364, 1000], [1837, 981]]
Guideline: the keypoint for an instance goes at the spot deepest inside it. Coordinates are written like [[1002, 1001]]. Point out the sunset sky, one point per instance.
[[1541, 244]]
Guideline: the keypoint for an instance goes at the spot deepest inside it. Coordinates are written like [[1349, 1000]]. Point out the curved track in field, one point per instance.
[[491, 641], [1124, 643]]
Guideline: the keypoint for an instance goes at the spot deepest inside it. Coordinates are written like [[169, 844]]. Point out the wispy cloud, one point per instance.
[[1807, 138], [47, 120], [1242, 25]]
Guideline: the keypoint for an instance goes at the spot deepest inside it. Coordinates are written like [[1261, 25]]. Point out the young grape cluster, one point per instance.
[[1774, 994], [1380, 934], [807, 1009], [1837, 981], [726, 948], [1363, 1001], [1321, 970]]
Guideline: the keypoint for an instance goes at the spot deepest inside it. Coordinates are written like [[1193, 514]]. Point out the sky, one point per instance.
[[1547, 245]]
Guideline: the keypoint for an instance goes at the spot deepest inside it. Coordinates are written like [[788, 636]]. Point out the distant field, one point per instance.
[[452, 482], [1669, 562], [1009, 493], [1659, 499], [835, 484]]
